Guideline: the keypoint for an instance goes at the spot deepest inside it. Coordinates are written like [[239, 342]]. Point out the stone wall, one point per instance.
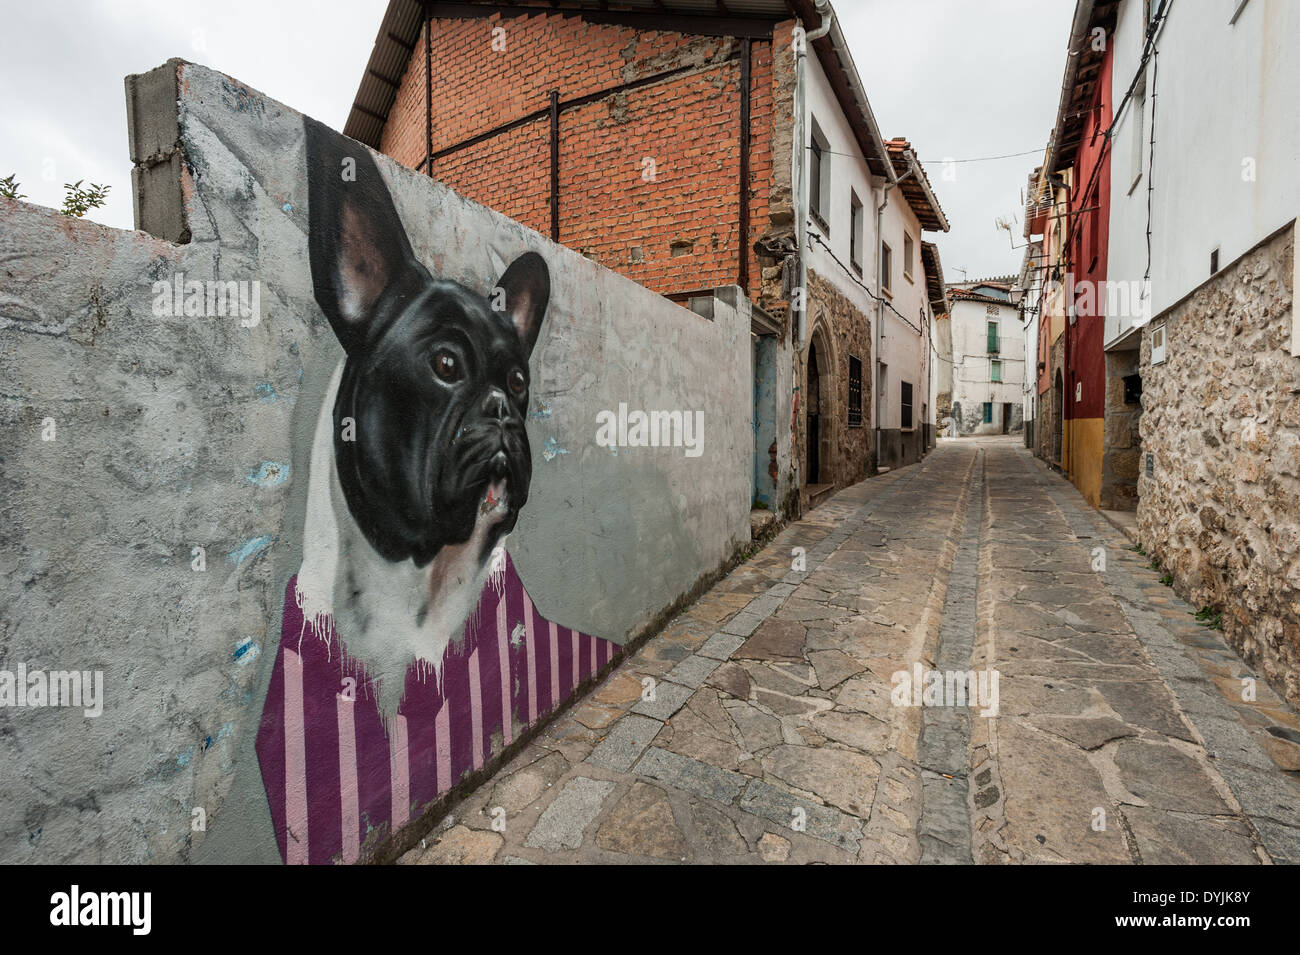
[[1221, 419], [1123, 454], [852, 457]]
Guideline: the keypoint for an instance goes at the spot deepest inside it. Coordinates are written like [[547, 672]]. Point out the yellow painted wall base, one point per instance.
[[1084, 445]]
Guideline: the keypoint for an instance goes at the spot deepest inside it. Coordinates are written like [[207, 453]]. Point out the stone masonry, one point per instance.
[[1220, 509]]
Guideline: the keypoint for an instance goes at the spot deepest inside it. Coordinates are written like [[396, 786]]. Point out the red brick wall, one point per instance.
[[676, 232]]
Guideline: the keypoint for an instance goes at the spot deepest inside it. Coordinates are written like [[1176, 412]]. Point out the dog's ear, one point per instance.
[[527, 287], [356, 243]]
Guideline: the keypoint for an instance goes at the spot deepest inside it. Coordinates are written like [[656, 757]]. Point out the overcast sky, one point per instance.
[[959, 78]]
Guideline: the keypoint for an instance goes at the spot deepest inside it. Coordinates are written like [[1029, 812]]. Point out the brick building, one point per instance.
[[659, 139]]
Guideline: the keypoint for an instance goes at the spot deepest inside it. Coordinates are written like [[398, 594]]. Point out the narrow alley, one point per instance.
[[774, 720]]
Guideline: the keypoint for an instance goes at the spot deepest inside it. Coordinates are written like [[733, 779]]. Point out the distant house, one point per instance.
[[988, 358]]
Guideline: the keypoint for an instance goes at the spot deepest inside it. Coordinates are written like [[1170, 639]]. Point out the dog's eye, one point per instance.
[[517, 382], [446, 367]]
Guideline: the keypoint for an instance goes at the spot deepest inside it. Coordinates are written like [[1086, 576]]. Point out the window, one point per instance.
[[855, 392], [995, 370], [886, 267], [1214, 261], [856, 219], [994, 343], [819, 185], [907, 256], [1138, 120], [905, 405], [988, 412]]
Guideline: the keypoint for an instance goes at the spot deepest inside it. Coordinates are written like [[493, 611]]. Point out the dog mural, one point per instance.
[[407, 637]]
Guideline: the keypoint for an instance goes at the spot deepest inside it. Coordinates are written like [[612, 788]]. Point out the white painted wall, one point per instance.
[[903, 344], [903, 347], [848, 170], [971, 369], [1031, 285], [1225, 93]]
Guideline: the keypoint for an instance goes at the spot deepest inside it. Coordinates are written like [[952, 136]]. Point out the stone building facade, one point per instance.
[[1122, 458], [1219, 490], [840, 331]]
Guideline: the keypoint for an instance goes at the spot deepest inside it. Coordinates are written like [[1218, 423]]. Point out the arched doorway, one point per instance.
[[814, 417], [819, 419]]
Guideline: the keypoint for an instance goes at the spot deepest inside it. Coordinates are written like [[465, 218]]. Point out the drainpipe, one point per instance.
[[880, 302]]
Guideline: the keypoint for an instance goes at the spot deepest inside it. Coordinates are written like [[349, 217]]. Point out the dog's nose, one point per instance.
[[494, 405]]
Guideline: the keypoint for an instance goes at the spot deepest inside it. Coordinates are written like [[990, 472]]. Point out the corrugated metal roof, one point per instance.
[[399, 34]]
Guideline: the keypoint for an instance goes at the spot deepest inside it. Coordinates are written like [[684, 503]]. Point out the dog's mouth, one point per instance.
[[495, 504]]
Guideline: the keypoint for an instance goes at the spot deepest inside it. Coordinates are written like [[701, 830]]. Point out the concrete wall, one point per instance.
[[176, 519]]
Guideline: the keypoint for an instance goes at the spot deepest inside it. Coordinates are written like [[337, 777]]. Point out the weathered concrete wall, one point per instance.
[[1221, 420], [169, 489]]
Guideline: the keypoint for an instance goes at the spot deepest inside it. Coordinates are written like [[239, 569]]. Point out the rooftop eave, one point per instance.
[[937, 218], [1080, 58]]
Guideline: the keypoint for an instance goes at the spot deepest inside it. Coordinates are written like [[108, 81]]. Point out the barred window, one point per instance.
[[907, 405]]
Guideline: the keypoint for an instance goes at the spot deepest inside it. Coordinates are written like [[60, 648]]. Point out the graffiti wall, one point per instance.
[[326, 486]]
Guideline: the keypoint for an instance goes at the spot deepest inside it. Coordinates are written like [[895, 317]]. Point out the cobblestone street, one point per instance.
[[1116, 729]]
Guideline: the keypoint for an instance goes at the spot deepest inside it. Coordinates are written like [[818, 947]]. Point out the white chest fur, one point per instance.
[[387, 614]]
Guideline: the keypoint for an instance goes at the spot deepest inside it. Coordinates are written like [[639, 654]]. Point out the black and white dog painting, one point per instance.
[[420, 462]]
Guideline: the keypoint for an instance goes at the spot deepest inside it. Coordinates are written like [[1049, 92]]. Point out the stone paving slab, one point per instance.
[[774, 737]]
